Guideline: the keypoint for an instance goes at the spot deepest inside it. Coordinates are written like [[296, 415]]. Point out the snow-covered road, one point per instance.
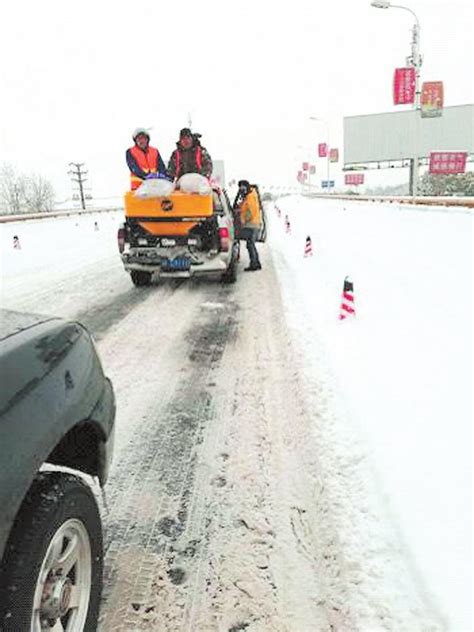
[[239, 499]]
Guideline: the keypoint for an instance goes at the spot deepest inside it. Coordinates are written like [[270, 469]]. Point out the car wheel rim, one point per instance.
[[63, 586]]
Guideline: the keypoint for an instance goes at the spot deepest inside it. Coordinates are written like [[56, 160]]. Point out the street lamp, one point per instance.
[[326, 124], [415, 60]]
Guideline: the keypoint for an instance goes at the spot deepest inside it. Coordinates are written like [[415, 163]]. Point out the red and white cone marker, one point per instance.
[[16, 242], [347, 302], [287, 224], [308, 247]]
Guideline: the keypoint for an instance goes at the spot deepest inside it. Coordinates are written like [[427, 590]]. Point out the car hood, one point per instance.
[[30, 347], [12, 322]]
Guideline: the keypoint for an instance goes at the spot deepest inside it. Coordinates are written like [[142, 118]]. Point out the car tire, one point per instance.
[[140, 278], [58, 526], [230, 275]]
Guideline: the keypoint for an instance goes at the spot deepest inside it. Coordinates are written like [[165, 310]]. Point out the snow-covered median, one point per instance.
[[395, 440]]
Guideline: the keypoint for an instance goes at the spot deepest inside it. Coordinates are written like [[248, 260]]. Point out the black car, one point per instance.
[[57, 412]]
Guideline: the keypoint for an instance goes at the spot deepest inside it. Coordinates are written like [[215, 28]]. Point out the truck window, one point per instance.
[[218, 206]]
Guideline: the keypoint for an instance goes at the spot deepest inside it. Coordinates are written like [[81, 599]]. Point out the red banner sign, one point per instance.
[[432, 99], [448, 162], [312, 169], [334, 155], [404, 85], [305, 166], [322, 150], [354, 178]]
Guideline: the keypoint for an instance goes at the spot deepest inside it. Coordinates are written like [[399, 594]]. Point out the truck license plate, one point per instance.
[[176, 264]]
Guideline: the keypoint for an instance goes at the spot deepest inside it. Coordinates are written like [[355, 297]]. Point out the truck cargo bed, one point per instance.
[[175, 214]]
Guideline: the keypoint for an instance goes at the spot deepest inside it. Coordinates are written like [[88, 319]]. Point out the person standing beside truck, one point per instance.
[[189, 156], [250, 221], [143, 160]]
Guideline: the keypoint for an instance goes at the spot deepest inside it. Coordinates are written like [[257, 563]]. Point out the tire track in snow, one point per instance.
[[149, 516]]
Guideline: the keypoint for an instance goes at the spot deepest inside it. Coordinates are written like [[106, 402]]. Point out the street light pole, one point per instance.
[[415, 60]]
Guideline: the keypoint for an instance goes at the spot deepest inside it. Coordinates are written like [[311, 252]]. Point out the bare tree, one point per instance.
[[38, 194], [24, 194], [12, 189]]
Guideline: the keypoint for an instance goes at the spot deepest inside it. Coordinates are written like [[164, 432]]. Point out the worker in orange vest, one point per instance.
[[248, 205], [142, 159]]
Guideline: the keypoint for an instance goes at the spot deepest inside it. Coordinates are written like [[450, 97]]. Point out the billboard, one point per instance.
[[305, 166], [448, 162], [354, 178], [404, 85], [322, 150], [389, 136], [334, 155], [432, 99]]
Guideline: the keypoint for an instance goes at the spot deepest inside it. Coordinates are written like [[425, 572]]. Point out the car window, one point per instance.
[[227, 201], [218, 204]]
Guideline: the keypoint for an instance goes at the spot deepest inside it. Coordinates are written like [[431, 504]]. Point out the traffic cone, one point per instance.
[[287, 224], [16, 242], [308, 247], [347, 300]]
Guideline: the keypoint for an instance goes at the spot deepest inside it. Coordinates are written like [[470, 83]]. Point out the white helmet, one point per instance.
[[138, 131]]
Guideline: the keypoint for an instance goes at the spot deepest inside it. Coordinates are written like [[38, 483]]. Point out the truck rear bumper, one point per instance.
[[214, 266]]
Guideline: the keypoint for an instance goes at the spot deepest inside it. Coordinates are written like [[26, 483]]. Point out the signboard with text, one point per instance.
[[312, 169], [322, 150], [305, 166], [448, 162], [354, 178], [327, 184], [334, 155], [404, 86], [432, 99]]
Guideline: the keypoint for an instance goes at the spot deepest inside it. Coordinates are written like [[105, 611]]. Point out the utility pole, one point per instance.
[[78, 174]]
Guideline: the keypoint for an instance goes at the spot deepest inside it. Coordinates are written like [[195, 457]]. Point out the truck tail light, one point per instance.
[[224, 236]]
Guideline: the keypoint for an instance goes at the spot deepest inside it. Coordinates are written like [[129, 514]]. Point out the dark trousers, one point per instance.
[[249, 235]]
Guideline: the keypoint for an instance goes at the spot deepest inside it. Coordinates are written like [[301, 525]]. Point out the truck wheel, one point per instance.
[[230, 275], [52, 568], [140, 278]]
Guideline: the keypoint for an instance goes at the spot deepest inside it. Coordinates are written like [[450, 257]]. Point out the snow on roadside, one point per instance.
[[396, 452], [52, 249]]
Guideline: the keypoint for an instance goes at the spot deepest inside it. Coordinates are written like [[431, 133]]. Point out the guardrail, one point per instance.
[[49, 214], [426, 201]]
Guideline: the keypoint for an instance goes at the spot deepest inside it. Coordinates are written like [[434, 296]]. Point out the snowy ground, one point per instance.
[[402, 369], [276, 469]]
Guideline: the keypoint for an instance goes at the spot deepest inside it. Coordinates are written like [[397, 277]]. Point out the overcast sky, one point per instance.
[[77, 78]]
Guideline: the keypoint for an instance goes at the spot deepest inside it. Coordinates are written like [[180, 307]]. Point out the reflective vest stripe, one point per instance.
[[146, 161]]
